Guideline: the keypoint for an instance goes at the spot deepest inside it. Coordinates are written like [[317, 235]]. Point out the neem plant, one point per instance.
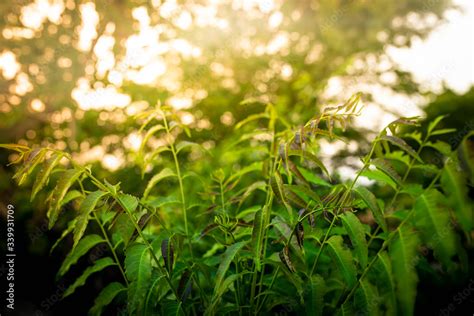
[[275, 236]]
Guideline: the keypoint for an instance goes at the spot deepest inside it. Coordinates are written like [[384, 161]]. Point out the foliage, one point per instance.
[[268, 230]]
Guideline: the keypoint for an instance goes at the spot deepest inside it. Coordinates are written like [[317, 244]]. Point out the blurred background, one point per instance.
[[74, 73]]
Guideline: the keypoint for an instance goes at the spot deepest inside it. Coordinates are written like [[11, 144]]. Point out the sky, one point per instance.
[[446, 55]]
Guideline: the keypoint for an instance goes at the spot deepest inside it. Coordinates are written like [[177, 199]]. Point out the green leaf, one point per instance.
[[440, 146], [455, 187], [301, 189], [112, 188], [443, 131], [435, 123], [64, 183], [413, 189], [284, 231], [366, 299], [163, 174], [99, 265], [257, 237], [356, 232], [154, 294], [379, 176], [15, 147], [138, 270], [404, 259], [385, 166], [148, 134], [105, 297], [294, 198], [82, 248], [256, 166], [343, 259], [382, 277], [412, 121], [227, 258], [251, 118], [435, 226], [397, 141], [123, 229], [259, 185], [128, 202], [311, 177], [466, 156], [416, 136], [69, 229], [223, 287], [44, 173], [399, 155], [171, 308], [311, 157], [371, 202], [314, 301], [87, 206], [160, 201], [276, 184], [70, 196], [185, 144], [35, 157]]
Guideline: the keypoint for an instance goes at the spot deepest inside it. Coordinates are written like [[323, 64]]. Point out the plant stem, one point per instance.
[[386, 243], [181, 186], [150, 248], [266, 211], [112, 249], [343, 201]]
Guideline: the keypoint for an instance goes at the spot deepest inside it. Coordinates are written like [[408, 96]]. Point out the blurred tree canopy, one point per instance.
[[64, 57]]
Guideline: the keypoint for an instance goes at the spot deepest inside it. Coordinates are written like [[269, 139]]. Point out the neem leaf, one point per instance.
[[257, 236], [43, 174], [366, 299], [403, 255], [15, 147], [356, 232], [128, 202], [81, 249], [163, 174], [342, 257], [87, 206], [435, 123], [99, 265], [385, 166], [69, 229], [435, 226], [455, 186], [371, 202], [397, 141], [64, 183], [34, 158], [227, 258], [138, 270], [105, 297], [314, 301], [311, 157]]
